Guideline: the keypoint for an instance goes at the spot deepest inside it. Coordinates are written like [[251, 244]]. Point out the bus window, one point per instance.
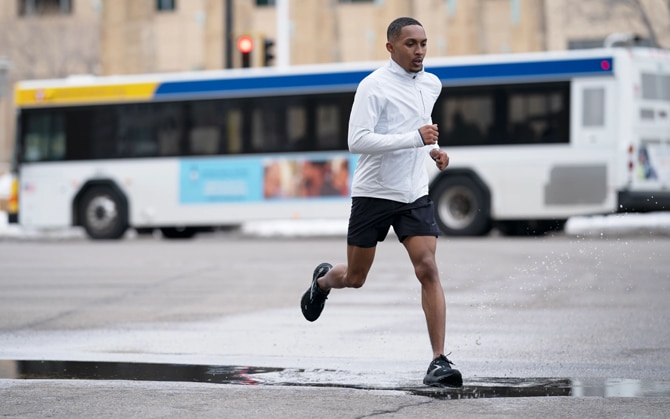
[[655, 86], [296, 128], [328, 127], [136, 137], [593, 110], [204, 135], [104, 133], [266, 128], [44, 137], [169, 125], [234, 131], [204, 140], [505, 114], [468, 119], [534, 117]]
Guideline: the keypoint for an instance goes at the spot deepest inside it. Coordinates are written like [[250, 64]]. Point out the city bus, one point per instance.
[[534, 138]]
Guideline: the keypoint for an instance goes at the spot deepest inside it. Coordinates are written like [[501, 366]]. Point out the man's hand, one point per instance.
[[429, 134], [441, 158]]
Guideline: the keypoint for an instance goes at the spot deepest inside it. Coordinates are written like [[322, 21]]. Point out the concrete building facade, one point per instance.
[[43, 39], [137, 38], [57, 38]]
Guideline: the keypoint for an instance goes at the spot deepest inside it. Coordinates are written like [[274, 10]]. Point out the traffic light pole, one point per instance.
[[283, 58], [228, 33]]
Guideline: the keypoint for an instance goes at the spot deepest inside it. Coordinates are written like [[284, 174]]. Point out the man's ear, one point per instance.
[[389, 47]]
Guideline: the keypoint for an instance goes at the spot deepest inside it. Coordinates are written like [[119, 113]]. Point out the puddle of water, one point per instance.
[[63, 370], [222, 374], [543, 387], [501, 387]]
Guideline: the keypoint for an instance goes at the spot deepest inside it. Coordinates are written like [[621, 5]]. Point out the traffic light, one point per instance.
[[268, 54], [245, 44]]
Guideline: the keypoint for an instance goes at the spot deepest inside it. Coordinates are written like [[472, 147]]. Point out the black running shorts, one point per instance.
[[371, 219]]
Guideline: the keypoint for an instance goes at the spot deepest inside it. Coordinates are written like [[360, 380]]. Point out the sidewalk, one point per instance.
[[130, 399]]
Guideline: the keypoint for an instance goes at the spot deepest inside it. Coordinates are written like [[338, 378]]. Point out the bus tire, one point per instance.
[[178, 232], [462, 207], [144, 231], [103, 213]]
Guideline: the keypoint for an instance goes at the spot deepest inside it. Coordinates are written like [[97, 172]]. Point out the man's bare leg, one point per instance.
[[421, 250], [352, 274]]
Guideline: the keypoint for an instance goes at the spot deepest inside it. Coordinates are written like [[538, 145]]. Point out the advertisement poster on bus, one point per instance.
[[654, 163], [253, 179]]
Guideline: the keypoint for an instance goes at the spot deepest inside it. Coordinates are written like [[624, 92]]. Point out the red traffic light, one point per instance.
[[245, 44]]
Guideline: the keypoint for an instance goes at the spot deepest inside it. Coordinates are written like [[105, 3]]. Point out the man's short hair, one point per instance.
[[396, 26]]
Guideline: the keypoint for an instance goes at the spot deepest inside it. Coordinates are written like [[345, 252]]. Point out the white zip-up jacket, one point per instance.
[[389, 107]]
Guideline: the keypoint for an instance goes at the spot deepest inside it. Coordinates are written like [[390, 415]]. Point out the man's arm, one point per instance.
[[365, 113], [363, 141]]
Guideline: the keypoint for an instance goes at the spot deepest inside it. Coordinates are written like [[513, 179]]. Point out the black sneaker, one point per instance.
[[314, 298], [440, 374]]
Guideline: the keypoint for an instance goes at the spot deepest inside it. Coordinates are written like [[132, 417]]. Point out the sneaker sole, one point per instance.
[[452, 380], [304, 302]]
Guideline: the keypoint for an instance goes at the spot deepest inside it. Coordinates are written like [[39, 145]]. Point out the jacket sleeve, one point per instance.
[[365, 113]]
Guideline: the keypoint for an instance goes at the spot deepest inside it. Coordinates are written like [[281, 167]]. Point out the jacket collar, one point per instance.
[[396, 69]]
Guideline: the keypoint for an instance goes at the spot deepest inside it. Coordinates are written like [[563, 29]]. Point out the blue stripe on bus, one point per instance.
[[262, 83], [448, 75], [542, 69]]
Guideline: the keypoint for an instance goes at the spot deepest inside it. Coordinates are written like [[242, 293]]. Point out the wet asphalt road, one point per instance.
[[520, 310]]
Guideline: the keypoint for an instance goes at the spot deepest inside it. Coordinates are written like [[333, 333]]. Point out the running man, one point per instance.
[[391, 128]]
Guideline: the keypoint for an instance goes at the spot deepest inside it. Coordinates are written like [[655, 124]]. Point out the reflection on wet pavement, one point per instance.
[[473, 388]]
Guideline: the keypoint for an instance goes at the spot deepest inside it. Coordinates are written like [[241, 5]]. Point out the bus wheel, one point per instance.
[[461, 207], [178, 232], [103, 214], [144, 231]]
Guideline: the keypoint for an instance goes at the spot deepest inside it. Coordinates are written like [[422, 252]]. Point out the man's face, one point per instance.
[[409, 48]]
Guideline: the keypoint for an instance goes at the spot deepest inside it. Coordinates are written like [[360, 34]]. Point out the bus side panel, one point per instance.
[[149, 185], [541, 182], [45, 194], [649, 112], [229, 190], [208, 191]]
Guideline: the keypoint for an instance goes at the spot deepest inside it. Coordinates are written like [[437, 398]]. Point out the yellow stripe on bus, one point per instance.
[[85, 94]]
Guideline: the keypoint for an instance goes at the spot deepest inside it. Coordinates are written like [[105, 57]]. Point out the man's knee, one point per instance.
[[426, 270], [359, 262], [355, 279]]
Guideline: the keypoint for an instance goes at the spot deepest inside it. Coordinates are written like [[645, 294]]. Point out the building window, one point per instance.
[[358, 1], [265, 2], [44, 7], [166, 5]]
